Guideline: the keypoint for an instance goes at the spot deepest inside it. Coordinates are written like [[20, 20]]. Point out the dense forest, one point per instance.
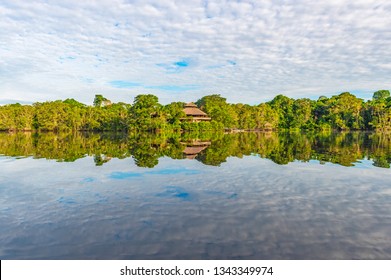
[[341, 112]]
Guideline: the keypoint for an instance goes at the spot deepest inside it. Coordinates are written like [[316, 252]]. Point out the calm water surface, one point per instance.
[[240, 196]]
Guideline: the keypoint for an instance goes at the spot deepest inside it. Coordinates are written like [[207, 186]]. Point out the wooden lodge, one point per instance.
[[194, 114], [193, 148]]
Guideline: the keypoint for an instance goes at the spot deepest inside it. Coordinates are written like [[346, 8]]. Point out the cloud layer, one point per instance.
[[247, 51]]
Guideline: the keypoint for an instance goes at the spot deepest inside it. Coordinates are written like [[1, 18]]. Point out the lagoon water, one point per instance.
[[235, 196]]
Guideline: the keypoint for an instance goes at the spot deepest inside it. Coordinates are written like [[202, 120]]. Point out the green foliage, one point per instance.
[[73, 103], [340, 112], [302, 113], [189, 126], [345, 111], [16, 117], [100, 101], [381, 95], [146, 113], [54, 116], [261, 117], [378, 115], [174, 113], [284, 107], [219, 110]]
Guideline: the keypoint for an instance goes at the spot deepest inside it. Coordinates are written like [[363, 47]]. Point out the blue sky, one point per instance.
[[247, 51]]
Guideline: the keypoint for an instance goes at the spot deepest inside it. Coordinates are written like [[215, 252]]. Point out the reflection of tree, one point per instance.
[[341, 148], [381, 146], [146, 149], [173, 148], [146, 160], [218, 152], [382, 162], [283, 152], [101, 159]]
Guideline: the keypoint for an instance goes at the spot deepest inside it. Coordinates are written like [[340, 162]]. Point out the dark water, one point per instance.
[[238, 196]]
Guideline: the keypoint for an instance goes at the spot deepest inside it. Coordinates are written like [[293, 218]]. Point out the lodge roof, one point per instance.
[[192, 110], [190, 105]]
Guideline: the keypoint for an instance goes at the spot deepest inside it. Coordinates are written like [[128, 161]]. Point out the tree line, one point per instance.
[[340, 112]]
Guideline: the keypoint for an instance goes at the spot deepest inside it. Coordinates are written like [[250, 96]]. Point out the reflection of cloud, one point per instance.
[[175, 192], [124, 175], [292, 211], [66, 200], [88, 180], [298, 48], [168, 171], [173, 171]]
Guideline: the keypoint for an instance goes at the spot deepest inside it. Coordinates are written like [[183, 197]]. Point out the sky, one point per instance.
[[246, 51]]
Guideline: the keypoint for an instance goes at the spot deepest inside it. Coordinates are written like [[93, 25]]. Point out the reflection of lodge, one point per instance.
[[194, 114], [195, 147], [339, 148]]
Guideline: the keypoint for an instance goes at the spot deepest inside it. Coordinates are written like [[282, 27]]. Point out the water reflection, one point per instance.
[[253, 206], [211, 149]]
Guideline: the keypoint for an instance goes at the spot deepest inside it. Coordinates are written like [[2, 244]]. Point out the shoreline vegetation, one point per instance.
[[340, 112]]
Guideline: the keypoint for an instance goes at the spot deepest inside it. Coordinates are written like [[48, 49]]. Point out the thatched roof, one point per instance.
[[190, 105], [196, 142], [192, 110], [193, 150]]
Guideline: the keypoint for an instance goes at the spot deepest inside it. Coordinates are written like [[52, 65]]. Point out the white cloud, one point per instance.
[[247, 51]]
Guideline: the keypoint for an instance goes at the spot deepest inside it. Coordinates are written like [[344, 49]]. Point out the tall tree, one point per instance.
[[302, 110], [283, 105], [219, 110], [100, 101], [146, 113], [381, 95], [345, 111]]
